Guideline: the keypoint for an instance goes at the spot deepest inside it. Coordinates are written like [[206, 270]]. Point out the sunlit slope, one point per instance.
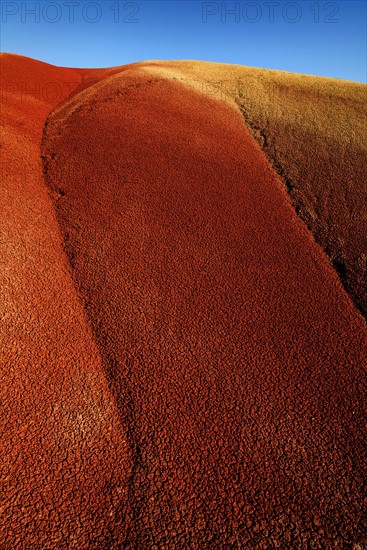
[[62, 441], [314, 132], [180, 364], [237, 358]]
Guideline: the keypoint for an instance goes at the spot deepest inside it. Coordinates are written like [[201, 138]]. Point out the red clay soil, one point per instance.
[[64, 455], [192, 363]]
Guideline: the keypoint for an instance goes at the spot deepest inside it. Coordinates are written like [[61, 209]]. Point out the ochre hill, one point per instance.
[[314, 133], [182, 366]]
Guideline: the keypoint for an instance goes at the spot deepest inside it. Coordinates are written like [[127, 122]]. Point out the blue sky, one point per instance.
[[314, 37]]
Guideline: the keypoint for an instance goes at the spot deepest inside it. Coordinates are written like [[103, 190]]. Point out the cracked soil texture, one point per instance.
[[182, 367]]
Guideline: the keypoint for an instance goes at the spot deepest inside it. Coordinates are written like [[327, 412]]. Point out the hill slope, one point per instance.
[[313, 132], [62, 441], [208, 365]]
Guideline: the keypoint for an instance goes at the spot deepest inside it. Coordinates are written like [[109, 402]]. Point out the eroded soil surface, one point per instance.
[[182, 366]]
